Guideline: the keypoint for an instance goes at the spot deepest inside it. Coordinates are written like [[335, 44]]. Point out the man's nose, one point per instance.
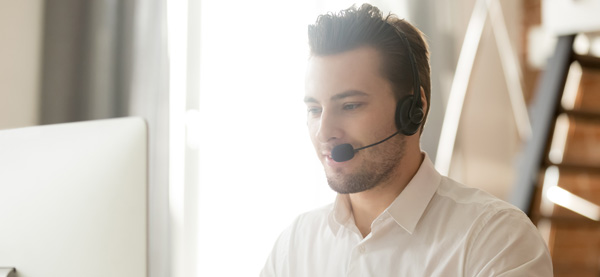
[[329, 128]]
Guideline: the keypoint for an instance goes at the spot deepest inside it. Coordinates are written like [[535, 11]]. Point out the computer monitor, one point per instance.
[[73, 199]]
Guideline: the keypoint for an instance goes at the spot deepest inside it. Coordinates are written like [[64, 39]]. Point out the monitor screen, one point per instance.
[[73, 199]]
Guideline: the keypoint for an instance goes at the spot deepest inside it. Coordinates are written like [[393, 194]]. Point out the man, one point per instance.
[[367, 97]]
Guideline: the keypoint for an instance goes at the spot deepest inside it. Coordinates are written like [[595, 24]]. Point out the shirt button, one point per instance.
[[361, 249]]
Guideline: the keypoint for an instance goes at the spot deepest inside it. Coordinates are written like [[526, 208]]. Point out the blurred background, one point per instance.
[[515, 110]]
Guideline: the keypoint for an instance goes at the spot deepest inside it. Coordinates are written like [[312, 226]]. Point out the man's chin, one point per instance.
[[345, 186], [346, 190]]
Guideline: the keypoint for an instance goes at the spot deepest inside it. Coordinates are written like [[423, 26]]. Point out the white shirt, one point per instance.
[[435, 227]]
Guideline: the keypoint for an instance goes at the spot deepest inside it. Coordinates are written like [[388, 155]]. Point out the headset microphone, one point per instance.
[[345, 152]]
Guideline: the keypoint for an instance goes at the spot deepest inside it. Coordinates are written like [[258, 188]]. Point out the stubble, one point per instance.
[[377, 167]]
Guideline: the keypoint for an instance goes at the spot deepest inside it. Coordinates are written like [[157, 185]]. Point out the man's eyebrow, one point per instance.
[[308, 99], [342, 95], [348, 93]]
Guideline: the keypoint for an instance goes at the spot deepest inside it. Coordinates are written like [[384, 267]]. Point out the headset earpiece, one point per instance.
[[409, 110], [408, 120]]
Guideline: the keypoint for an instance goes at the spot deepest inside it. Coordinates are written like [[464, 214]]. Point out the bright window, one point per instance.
[[258, 169]]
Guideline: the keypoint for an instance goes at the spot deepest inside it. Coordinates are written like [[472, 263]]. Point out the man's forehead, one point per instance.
[[351, 73]]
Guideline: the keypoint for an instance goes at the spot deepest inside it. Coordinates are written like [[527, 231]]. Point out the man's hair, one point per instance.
[[366, 26]]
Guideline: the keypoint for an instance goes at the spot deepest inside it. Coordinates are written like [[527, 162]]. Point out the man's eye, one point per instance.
[[313, 110], [351, 106]]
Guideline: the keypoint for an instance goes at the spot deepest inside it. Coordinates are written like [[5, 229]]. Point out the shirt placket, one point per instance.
[[359, 252], [356, 258]]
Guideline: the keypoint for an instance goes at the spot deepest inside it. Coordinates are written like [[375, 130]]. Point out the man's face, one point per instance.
[[348, 101]]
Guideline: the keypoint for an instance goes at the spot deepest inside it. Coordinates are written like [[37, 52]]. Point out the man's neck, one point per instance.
[[368, 205]]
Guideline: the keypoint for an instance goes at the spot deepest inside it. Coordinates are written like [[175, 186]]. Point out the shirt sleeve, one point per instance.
[[508, 244]]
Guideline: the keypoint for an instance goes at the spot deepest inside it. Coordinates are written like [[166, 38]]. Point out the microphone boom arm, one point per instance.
[[356, 150]]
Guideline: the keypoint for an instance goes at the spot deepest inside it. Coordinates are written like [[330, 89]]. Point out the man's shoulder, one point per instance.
[[497, 236], [316, 216], [463, 196], [305, 227], [473, 207]]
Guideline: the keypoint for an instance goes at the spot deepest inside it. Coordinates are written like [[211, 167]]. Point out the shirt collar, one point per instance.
[[340, 213], [406, 210]]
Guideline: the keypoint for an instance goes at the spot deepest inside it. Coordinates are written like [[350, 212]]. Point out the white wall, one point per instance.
[[20, 49]]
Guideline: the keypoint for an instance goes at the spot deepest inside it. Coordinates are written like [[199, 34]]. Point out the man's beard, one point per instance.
[[377, 166]]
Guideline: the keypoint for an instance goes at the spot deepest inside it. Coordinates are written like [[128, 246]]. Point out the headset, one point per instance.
[[409, 110]]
